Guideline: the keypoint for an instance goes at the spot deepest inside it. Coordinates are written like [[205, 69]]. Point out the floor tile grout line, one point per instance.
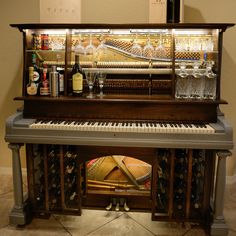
[[63, 226], [187, 232], [104, 224], [142, 225]]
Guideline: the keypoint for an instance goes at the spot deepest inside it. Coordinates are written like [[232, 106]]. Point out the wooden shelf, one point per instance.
[[160, 99]]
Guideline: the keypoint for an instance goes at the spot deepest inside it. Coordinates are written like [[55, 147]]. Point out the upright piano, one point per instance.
[[150, 137]]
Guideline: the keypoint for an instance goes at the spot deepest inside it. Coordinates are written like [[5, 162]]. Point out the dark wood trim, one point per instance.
[[221, 26], [189, 183], [89, 153], [45, 152], [162, 99], [62, 179], [171, 181]]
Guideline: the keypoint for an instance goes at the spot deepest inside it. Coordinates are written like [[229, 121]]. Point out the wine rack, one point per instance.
[[179, 189], [54, 174]]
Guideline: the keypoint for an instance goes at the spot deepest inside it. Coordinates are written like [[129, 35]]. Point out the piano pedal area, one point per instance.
[[118, 204], [171, 184]]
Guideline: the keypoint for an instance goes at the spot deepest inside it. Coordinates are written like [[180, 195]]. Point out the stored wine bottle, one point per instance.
[[195, 198], [179, 200], [179, 185], [31, 87], [161, 201], [36, 74], [173, 11], [54, 195], [44, 89], [77, 78], [61, 72], [162, 185]]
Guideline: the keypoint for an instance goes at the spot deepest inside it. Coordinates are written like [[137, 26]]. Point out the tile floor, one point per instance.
[[98, 222]]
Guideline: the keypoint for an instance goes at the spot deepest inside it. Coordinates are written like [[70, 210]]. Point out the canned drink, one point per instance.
[[36, 41], [54, 82], [44, 42]]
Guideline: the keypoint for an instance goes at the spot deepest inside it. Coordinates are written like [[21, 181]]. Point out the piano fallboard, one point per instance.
[[130, 107], [18, 130]]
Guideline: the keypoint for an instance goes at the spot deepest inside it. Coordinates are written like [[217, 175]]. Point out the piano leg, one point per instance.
[[219, 226], [18, 214]]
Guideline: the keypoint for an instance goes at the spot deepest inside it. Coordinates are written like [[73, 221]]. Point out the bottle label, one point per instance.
[[36, 76], [32, 89], [77, 83]]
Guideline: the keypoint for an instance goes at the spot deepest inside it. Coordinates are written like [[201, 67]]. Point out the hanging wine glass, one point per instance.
[[148, 50], [160, 50], [136, 49], [79, 48], [101, 50], [90, 49]]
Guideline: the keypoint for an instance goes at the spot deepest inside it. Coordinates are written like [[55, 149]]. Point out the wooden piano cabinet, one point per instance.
[[186, 176]]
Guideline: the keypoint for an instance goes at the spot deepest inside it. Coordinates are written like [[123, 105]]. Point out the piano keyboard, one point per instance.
[[138, 127]]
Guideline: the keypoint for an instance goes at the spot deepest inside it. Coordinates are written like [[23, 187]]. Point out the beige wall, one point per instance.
[[11, 59], [114, 11], [102, 11]]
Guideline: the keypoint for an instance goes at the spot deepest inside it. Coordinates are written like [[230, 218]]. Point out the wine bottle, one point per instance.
[[55, 195], [31, 87], [162, 185], [173, 11], [180, 185], [61, 72], [77, 78], [161, 201], [36, 73], [179, 200], [195, 198], [44, 89]]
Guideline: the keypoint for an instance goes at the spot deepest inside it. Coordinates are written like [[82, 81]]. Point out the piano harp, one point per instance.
[[180, 145]]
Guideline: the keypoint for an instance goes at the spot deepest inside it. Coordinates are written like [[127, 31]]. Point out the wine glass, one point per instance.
[[79, 48], [101, 50], [148, 50], [90, 49], [136, 49], [160, 50], [101, 76], [90, 78]]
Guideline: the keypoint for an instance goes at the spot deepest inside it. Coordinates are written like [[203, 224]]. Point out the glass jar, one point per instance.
[[209, 83], [182, 83], [196, 82]]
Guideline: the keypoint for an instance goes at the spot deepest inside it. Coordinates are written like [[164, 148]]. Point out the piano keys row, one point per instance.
[[138, 127]]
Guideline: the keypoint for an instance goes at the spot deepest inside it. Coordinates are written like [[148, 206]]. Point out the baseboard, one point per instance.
[[8, 171]]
